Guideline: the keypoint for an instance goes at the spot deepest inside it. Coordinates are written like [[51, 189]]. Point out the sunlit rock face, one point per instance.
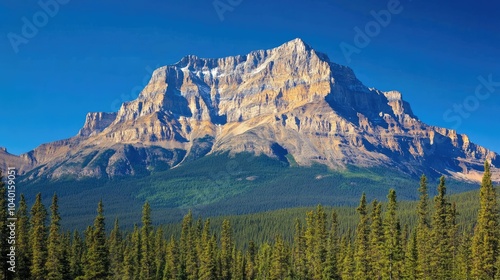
[[290, 101]]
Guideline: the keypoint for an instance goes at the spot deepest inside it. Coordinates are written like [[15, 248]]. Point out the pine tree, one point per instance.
[[264, 261], [423, 232], [463, 265], [132, 255], [348, 266], [310, 243], [454, 237], [172, 262], [98, 255], [321, 241], [485, 243], [376, 248], [186, 249], [87, 244], [116, 251], [280, 263], [208, 263], [299, 252], [316, 237], [331, 270], [23, 237], [192, 263], [146, 270], [76, 257], [411, 256], [159, 250], [362, 241], [226, 241], [441, 258], [38, 239], [250, 269], [392, 257], [65, 256], [239, 265], [54, 256]]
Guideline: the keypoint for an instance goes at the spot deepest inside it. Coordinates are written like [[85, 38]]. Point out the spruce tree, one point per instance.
[[321, 241], [159, 250], [192, 262], [23, 244], [280, 265], [115, 242], [65, 256], [299, 252], [226, 241], [441, 257], [376, 248], [251, 257], [464, 261], [423, 232], [98, 255], [186, 248], [147, 268], [392, 257], [485, 243], [411, 256], [172, 262], [208, 262], [310, 244], [54, 248], [348, 266], [77, 256], [331, 270], [38, 239], [264, 261], [362, 241], [132, 255]]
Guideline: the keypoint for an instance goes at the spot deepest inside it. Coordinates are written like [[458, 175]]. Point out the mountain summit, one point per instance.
[[290, 103]]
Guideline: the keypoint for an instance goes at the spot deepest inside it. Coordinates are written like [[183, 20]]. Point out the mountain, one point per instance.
[[290, 103]]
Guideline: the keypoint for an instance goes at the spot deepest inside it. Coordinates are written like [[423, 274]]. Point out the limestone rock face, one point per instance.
[[95, 123], [290, 100]]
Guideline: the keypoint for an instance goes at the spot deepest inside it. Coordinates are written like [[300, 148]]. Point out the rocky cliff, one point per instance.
[[287, 102]]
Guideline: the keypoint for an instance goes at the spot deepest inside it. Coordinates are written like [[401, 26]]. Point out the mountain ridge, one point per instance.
[[289, 101]]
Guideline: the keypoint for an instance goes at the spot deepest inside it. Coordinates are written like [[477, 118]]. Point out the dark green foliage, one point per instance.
[[97, 266], [322, 245], [55, 255], [38, 239], [23, 240], [485, 244], [217, 185]]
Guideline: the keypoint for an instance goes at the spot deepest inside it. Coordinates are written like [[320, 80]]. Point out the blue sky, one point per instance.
[[87, 56]]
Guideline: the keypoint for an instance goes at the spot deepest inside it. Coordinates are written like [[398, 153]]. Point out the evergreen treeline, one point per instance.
[[381, 247]]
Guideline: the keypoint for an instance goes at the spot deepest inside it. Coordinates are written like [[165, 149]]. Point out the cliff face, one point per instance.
[[290, 100], [95, 123]]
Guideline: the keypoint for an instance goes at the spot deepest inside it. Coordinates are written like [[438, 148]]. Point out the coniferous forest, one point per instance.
[[380, 247]]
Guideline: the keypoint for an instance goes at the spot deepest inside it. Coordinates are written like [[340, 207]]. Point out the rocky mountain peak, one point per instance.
[[289, 102]]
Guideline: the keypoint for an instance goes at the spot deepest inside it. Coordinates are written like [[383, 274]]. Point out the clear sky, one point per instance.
[[60, 60]]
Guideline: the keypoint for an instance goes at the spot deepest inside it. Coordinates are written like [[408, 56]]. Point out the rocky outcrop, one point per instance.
[[96, 123], [290, 101]]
